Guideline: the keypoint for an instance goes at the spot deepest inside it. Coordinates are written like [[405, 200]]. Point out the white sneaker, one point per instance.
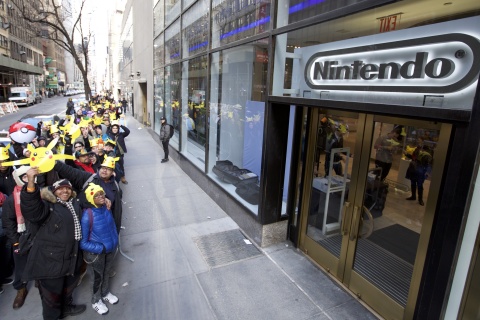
[[100, 307], [110, 298]]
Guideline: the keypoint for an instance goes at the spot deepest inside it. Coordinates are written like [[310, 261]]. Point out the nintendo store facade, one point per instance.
[[343, 110], [382, 147]]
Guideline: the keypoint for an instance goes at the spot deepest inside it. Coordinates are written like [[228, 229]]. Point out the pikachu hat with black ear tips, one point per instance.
[[4, 155], [109, 162], [90, 192]]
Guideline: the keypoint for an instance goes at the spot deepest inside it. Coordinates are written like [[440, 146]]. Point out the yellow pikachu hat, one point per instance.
[[109, 162], [90, 192], [53, 129], [4, 152]]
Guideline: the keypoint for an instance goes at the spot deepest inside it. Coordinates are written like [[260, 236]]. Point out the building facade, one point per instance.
[[347, 127]]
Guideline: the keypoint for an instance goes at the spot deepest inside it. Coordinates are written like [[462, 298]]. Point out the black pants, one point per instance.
[[165, 148], [56, 293], [385, 168], [20, 262]]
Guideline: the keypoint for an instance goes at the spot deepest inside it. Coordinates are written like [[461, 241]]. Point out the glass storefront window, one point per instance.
[[172, 43], [158, 99], [186, 3], [172, 10], [194, 113], [237, 107], [173, 93], [297, 10], [234, 20], [158, 52], [195, 29], [158, 18]]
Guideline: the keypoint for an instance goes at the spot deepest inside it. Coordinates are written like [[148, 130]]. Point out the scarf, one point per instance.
[[20, 220], [85, 167], [78, 229]]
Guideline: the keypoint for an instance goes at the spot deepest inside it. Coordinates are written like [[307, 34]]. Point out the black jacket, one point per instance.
[[120, 137], [55, 252], [7, 183], [9, 221], [78, 178]]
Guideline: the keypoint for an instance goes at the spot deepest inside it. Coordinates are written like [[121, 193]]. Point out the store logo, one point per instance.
[[437, 64]]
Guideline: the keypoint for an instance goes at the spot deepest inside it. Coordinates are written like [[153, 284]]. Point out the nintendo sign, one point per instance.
[[437, 64]]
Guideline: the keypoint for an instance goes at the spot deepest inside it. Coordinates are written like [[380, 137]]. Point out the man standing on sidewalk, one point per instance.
[[165, 137]]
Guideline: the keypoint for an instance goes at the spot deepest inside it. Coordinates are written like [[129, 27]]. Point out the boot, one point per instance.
[[420, 197], [72, 310], [414, 192], [20, 298], [124, 181]]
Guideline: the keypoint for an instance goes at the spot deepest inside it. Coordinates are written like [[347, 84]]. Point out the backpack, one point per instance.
[[172, 131]]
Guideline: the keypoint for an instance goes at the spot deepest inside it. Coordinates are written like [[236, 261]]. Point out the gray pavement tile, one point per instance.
[[173, 186], [185, 234], [31, 310], [180, 298], [254, 289], [143, 216], [350, 310], [157, 259], [189, 208], [137, 191], [321, 289]]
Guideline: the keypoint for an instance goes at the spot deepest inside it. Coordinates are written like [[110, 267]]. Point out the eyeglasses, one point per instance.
[[99, 194]]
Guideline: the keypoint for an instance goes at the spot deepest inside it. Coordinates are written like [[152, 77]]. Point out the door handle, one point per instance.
[[370, 225], [354, 233], [343, 225]]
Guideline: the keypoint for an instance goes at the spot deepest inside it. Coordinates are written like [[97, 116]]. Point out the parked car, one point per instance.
[[38, 98]]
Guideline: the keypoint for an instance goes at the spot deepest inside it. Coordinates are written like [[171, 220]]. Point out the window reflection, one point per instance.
[[237, 107], [195, 29], [194, 115], [238, 19]]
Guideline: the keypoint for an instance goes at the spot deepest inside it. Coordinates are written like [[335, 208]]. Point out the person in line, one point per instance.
[[7, 183], [124, 105], [335, 140], [418, 170], [386, 146], [99, 244], [55, 256], [115, 135], [165, 137], [70, 107], [14, 226], [6, 263]]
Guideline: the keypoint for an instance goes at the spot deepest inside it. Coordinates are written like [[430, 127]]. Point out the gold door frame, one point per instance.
[[342, 268]]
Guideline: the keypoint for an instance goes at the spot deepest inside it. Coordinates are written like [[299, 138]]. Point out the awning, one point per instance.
[[10, 64]]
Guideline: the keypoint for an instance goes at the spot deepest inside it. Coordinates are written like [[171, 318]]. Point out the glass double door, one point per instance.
[[370, 188]]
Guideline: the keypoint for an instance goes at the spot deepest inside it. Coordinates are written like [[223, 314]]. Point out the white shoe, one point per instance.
[[100, 307], [110, 298]]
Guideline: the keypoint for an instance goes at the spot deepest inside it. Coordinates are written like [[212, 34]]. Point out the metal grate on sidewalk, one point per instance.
[[225, 247]]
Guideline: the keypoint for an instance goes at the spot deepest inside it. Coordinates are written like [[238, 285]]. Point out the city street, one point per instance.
[[53, 105]]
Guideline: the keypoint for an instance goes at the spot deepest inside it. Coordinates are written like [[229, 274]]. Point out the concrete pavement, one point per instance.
[[191, 260]]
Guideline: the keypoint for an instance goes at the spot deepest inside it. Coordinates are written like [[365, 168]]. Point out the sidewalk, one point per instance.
[[193, 262]]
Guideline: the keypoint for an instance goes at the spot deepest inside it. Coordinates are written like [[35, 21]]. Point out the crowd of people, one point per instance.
[[62, 218]]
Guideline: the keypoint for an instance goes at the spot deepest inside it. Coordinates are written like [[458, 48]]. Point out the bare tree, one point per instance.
[[60, 24]]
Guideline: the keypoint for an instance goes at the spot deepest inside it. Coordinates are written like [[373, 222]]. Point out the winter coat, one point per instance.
[[55, 252], [7, 183], [100, 233], [165, 132], [78, 178], [70, 108], [9, 221], [120, 137]]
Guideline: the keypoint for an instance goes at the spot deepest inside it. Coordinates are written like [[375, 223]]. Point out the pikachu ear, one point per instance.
[[116, 159], [52, 144], [7, 146], [30, 147]]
